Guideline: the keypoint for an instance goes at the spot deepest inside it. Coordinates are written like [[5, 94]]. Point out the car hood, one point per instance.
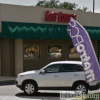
[[28, 72]]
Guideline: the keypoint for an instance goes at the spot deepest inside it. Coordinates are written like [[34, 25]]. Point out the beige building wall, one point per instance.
[[8, 57], [18, 56], [15, 13]]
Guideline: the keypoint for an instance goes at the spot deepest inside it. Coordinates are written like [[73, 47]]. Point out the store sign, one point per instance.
[[59, 17], [85, 50]]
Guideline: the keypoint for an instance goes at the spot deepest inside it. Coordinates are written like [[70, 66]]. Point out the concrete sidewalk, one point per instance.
[[4, 79]]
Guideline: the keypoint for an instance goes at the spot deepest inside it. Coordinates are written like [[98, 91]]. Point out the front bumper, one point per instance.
[[95, 87], [19, 86]]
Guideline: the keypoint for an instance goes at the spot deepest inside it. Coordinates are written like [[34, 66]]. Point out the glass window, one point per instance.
[[54, 51], [31, 52], [72, 52], [79, 68], [52, 68], [71, 68], [68, 68]]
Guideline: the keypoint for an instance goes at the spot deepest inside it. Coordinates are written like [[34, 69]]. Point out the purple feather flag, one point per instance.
[[85, 50]]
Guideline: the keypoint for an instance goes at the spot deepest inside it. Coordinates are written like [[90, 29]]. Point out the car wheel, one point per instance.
[[81, 87], [30, 88]]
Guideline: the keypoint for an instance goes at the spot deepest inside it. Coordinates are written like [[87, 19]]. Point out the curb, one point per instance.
[[7, 82]]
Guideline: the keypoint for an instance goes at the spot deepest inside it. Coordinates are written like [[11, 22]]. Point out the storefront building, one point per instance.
[[31, 37]]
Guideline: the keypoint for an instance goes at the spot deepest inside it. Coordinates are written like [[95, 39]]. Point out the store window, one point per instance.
[[72, 52], [54, 51], [31, 52]]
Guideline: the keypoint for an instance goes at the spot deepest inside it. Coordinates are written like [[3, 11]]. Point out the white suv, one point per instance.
[[59, 75]]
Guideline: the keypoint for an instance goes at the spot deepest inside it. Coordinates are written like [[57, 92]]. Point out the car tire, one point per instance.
[[30, 88], [81, 87]]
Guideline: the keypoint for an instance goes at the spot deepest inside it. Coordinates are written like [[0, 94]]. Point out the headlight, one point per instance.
[[19, 76]]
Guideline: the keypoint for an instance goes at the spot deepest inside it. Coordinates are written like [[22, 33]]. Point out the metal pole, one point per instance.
[[64, 4], [93, 5]]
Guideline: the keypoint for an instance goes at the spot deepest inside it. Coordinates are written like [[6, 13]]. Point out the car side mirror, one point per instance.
[[42, 71]]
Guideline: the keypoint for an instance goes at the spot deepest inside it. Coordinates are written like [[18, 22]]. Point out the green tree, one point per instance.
[[48, 4], [40, 3], [55, 4], [51, 4], [67, 5], [82, 9]]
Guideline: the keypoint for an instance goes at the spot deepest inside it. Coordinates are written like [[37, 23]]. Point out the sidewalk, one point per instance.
[[4, 79]]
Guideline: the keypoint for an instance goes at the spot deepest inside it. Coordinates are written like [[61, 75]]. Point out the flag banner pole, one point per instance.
[[85, 50]]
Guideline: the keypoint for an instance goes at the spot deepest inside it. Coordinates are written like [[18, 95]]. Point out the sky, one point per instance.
[[81, 3]]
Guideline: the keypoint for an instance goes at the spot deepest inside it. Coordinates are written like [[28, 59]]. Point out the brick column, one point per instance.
[[18, 56]]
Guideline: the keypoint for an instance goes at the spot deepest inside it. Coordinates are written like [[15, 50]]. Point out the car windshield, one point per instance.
[[44, 67]]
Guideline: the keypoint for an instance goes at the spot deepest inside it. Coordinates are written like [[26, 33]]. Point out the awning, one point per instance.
[[17, 30]]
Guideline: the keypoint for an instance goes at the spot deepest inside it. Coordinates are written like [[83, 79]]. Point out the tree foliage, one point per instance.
[[48, 4], [56, 4], [82, 9], [67, 5]]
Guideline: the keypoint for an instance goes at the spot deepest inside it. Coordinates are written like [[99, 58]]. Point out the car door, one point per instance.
[[68, 75], [50, 77], [81, 72]]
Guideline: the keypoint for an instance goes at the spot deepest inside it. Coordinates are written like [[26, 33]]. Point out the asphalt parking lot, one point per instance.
[[11, 92]]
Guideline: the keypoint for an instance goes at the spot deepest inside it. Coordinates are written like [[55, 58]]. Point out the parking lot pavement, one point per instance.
[[28, 98], [11, 92], [15, 98], [25, 98]]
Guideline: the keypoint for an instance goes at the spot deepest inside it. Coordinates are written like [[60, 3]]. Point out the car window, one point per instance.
[[71, 68], [79, 67], [52, 68]]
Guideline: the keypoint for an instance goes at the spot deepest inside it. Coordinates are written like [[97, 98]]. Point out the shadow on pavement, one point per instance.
[[55, 96]]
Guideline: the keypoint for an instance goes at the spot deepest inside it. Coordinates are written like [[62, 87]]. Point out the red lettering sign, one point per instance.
[[60, 17]]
